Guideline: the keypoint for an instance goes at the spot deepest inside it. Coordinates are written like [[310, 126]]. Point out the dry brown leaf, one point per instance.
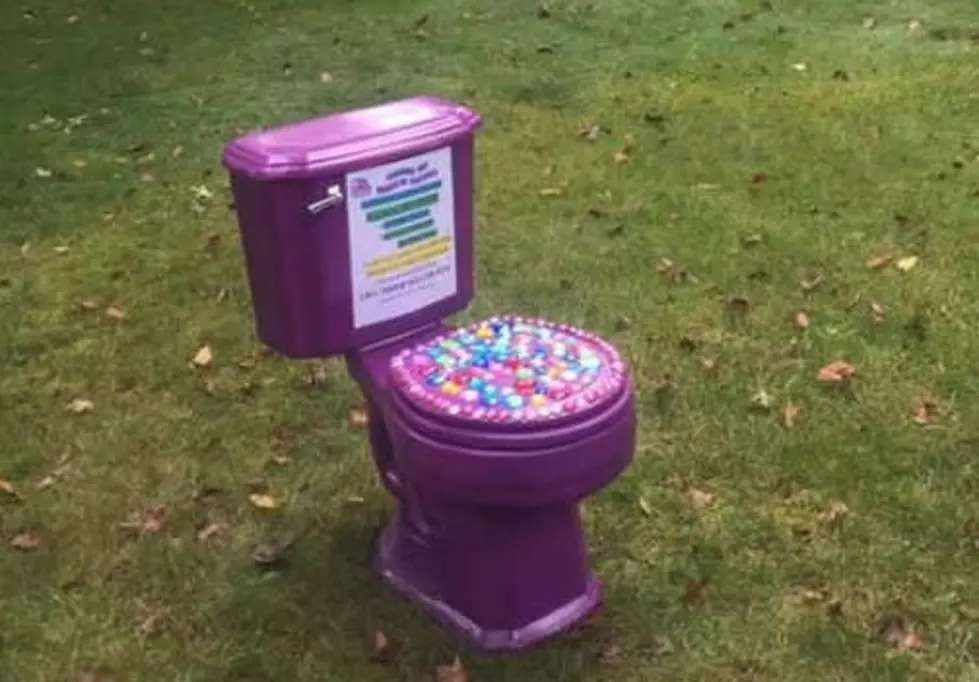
[[907, 263], [696, 592], [203, 357], [151, 624], [790, 415], [592, 132], [924, 412], [914, 25], [211, 530], [381, 649], [700, 499], [263, 501], [810, 282], [7, 489], [879, 262], [869, 23], [645, 507], [621, 157], [896, 632], [762, 400], [836, 372], [358, 417], [552, 192], [177, 151], [326, 78], [877, 312], [115, 313], [834, 513], [26, 541], [80, 406], [453, 672], [708, 364], [801, 320]]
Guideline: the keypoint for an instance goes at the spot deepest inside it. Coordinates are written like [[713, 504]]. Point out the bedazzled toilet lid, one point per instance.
[[510, 369]]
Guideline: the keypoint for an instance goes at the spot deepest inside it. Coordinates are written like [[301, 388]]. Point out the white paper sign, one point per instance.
[[401, 218]]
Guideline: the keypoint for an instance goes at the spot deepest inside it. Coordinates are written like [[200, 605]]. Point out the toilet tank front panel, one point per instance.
[[372, 244]]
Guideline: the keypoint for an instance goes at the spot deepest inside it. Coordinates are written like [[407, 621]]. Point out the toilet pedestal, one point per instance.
[[505, 581]]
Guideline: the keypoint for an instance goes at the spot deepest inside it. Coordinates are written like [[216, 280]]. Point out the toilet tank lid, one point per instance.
[[343, 141]]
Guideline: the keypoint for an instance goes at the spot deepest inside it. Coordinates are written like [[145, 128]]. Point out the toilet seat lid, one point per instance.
[[510, 370]]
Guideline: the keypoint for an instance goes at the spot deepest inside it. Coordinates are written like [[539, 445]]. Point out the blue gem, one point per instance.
[[435, 379], [514, 401], [489, 400], [477, 383]]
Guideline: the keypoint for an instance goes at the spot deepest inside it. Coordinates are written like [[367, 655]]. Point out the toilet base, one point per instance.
[[408, 573]]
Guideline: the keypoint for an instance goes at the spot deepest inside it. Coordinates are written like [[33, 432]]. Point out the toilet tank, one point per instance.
[[357, 226]]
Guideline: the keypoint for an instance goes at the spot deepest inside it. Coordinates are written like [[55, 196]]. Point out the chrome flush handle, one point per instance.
[[334, 197]]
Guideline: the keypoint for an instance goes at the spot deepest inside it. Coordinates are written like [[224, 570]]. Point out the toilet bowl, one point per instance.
[[357, 233]]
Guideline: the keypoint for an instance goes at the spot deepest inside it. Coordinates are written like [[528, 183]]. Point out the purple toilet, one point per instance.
[[358, 238]]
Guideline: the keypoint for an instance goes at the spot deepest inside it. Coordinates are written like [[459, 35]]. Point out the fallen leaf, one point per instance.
[[906, 263], [758, 179], [81, 406], [801, 320], [146, 177], [454, 672], [790, 415], [897, 633], [762, 400], [203, 357], [836, 372], [661, 645], [834, 512], [358, 417], [43, 172], [700, 499], [115, 313], [645, 507], [551, 192], [151, 624], [876, 312], [610, 655], [26, 541], [620, 157], [810, 282], [696, 592], [800, 66], [46, 482], [869, 23], [355, 499], [272, 552], [914, 25], [708, 364], [326, 78], [592, 132], [201, 193], [79, 163], [924, 412], [263, 501], [381, 649], [879, 262], [210, 530], [7, 489], [177, 151]]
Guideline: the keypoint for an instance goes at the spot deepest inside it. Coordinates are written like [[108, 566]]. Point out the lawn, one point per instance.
[[737, 194]]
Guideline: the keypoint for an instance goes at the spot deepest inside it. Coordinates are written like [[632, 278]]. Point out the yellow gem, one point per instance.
[[538, 400], [484, 332], [450, 388]]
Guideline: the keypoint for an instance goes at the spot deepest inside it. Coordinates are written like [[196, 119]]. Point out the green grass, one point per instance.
[[747, 173]]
